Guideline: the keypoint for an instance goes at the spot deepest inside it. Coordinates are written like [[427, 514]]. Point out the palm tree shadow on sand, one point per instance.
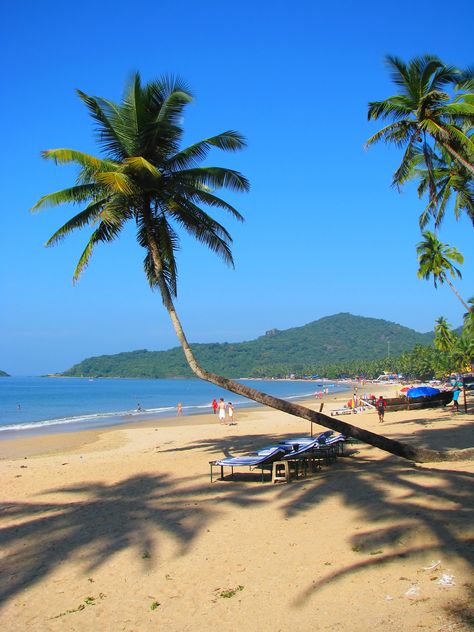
[[139, 512]]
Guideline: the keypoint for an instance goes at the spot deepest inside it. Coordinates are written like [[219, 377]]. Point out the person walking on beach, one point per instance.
[[380, 405], [456, 393], [179, 409], [214, 405], [230, 412], [221, 407]]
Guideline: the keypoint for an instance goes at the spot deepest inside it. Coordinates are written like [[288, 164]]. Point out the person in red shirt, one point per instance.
[[380, 406], [214, 405]]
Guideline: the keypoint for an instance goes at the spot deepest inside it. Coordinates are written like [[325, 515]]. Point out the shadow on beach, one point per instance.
[[138, 512]]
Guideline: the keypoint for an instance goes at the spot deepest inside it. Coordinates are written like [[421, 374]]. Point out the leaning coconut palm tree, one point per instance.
[[424, 111], [435, 259], [146, 178]]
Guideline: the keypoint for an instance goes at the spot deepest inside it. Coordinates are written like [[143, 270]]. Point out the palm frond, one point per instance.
[[74, 195], [87, 216], [215, 177], [65, 156], [194, 154], [116, 182], [139, 164]]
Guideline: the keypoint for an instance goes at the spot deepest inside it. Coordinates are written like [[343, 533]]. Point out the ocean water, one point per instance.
[[29, 405]]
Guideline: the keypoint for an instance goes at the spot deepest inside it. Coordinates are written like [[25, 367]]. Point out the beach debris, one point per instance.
[[155, 605], [434, 564], [230, 592], [446, 580], [413, 591], [388, 598]]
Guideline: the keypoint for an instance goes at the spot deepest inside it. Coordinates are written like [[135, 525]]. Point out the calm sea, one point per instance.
[[36, 404]]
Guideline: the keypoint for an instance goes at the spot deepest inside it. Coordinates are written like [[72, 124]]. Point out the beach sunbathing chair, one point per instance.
[[307, 454], [294, 443], [335, 446], [262, 462]]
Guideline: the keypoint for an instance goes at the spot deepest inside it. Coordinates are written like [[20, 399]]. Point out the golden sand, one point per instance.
[[121, 530]]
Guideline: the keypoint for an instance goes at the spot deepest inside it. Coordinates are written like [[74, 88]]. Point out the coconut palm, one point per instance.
[[145, 178], [463, 353], [423, 110], [445, 338], [447, 180], [435, 259], [468, 325]]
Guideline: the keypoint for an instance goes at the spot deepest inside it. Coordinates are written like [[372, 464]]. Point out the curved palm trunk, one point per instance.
[[398, 448], [457, 156], [458, 295]]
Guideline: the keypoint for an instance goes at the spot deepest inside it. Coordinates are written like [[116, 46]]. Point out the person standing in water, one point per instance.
[[179, 409]]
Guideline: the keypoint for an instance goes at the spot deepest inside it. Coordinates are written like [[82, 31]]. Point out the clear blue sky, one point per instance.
[[324, 231]]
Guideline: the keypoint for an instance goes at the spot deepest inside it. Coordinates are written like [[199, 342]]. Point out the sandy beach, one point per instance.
[[121, 529]]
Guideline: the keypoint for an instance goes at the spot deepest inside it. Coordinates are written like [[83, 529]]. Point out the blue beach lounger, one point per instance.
[[261, 462]]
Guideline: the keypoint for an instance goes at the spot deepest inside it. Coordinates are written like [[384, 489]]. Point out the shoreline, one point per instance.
[[102, 420], [43, 443], [122, 529]]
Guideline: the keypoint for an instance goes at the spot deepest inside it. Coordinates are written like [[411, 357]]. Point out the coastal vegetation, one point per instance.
[[330, 346], [431, 118], [147, 179], [3, 374]]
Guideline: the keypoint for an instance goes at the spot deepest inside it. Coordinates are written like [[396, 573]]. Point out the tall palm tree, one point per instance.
[[435, 259], [147, 179], [445, 338], [423, 110]]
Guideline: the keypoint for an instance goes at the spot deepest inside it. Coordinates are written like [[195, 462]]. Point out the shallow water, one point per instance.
[[32, 404]]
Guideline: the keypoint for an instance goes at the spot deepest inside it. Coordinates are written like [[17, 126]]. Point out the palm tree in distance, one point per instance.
[[435, 259], [444, 339], [423, 110], [146, 178], [468, 324]]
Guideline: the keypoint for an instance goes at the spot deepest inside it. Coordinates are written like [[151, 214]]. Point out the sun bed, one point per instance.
[[309, 453], [323, 446], [262, 462]]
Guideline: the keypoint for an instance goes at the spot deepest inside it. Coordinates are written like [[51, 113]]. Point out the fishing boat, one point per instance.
[[442, 398]]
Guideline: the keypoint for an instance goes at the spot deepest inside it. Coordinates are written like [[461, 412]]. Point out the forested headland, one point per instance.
[[333, 346]]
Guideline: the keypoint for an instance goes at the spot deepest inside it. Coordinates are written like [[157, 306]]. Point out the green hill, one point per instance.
[[3, 374], [330, 340]]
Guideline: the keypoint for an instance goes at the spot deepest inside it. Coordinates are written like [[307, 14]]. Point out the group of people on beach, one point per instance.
[[224, 411]]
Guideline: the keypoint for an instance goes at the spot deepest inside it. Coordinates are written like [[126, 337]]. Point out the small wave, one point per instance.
[[82, 419]]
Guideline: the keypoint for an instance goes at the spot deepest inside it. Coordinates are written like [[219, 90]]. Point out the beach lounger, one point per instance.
[[262, 462], [294, 443], [306, 454]]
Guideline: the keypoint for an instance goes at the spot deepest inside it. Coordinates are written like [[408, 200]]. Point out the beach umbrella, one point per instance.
[[422, 391]]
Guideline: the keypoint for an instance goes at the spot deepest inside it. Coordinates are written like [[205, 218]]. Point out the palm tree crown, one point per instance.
[[145, 176], [435, 260], [422, 110]]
